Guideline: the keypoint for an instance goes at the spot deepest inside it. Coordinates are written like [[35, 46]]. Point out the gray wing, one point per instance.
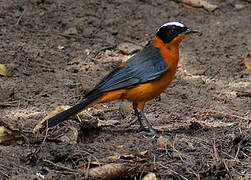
[[143, 67]]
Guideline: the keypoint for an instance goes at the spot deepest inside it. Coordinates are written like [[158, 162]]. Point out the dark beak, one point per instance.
[[188, 31]]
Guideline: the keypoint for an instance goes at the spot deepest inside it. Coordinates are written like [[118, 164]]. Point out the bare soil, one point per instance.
[[58, 50]]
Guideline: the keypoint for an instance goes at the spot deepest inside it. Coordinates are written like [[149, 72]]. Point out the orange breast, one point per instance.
[[152, 89]]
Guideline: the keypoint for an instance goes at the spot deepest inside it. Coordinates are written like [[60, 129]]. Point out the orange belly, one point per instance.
[[141, 93], [150, 90]]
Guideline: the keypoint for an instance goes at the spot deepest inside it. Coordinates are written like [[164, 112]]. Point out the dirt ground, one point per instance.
[[58, 50]]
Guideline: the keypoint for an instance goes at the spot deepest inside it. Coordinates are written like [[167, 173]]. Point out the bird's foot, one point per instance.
[[141, 117], [142, 129]]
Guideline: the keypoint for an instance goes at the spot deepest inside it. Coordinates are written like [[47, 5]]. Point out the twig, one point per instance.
[[87, 170], [6, 104], [6, 175], [46, 134], [238, 148], [20, 17], [173, 171], [191, 170], [216, 155], [227, 168], [96, 159], [60, 167], [175, 150], [41, 145], [232, 159], [65, 172]]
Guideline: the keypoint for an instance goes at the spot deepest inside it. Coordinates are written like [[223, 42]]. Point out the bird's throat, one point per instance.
[[169, 51]]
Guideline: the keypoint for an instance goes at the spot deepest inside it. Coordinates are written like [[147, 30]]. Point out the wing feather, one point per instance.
[[143, 67]]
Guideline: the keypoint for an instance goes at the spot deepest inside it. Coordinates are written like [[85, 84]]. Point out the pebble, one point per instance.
[[125, 109], [162, 142], [71, 31], [150, 176], [129, 48], [164, 98], [239, 6]]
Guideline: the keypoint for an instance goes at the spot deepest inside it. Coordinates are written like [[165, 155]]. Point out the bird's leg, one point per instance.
[[141, 117], [141, 128]]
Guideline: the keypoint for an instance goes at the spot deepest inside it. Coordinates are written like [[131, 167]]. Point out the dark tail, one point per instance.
[[60, 117]]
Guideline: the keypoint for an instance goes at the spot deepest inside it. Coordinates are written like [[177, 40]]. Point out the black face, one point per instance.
[[169, 32]]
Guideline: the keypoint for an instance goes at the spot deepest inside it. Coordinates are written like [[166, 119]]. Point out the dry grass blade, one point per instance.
[[216, 155], [60, 167], [174, 172], [6, 104]]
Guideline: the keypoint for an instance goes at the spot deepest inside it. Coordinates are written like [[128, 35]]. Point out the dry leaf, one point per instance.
[[247, 61], [3, 71], [51, 114], [8, 136], [150, 176], [109, 171], [199, 3]]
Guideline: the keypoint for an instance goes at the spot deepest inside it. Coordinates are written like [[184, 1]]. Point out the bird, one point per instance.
[[142, 78]]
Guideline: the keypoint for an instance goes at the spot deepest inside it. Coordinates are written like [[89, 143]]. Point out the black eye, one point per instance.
[[172, 31]]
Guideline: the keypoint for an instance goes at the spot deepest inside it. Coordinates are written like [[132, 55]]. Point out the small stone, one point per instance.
[[129, 48], [191, 146], [162, 142], [87, 51], [176, 155], [98, 112], [87, 32], [71, 31], [125, 109], [150, 176], [61, 47], [239, 6], [164, 98]]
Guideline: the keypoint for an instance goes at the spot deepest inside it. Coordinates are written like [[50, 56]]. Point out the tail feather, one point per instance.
[[62, 116]]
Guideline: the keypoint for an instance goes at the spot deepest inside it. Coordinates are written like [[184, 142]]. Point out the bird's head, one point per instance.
[[173, 32]]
